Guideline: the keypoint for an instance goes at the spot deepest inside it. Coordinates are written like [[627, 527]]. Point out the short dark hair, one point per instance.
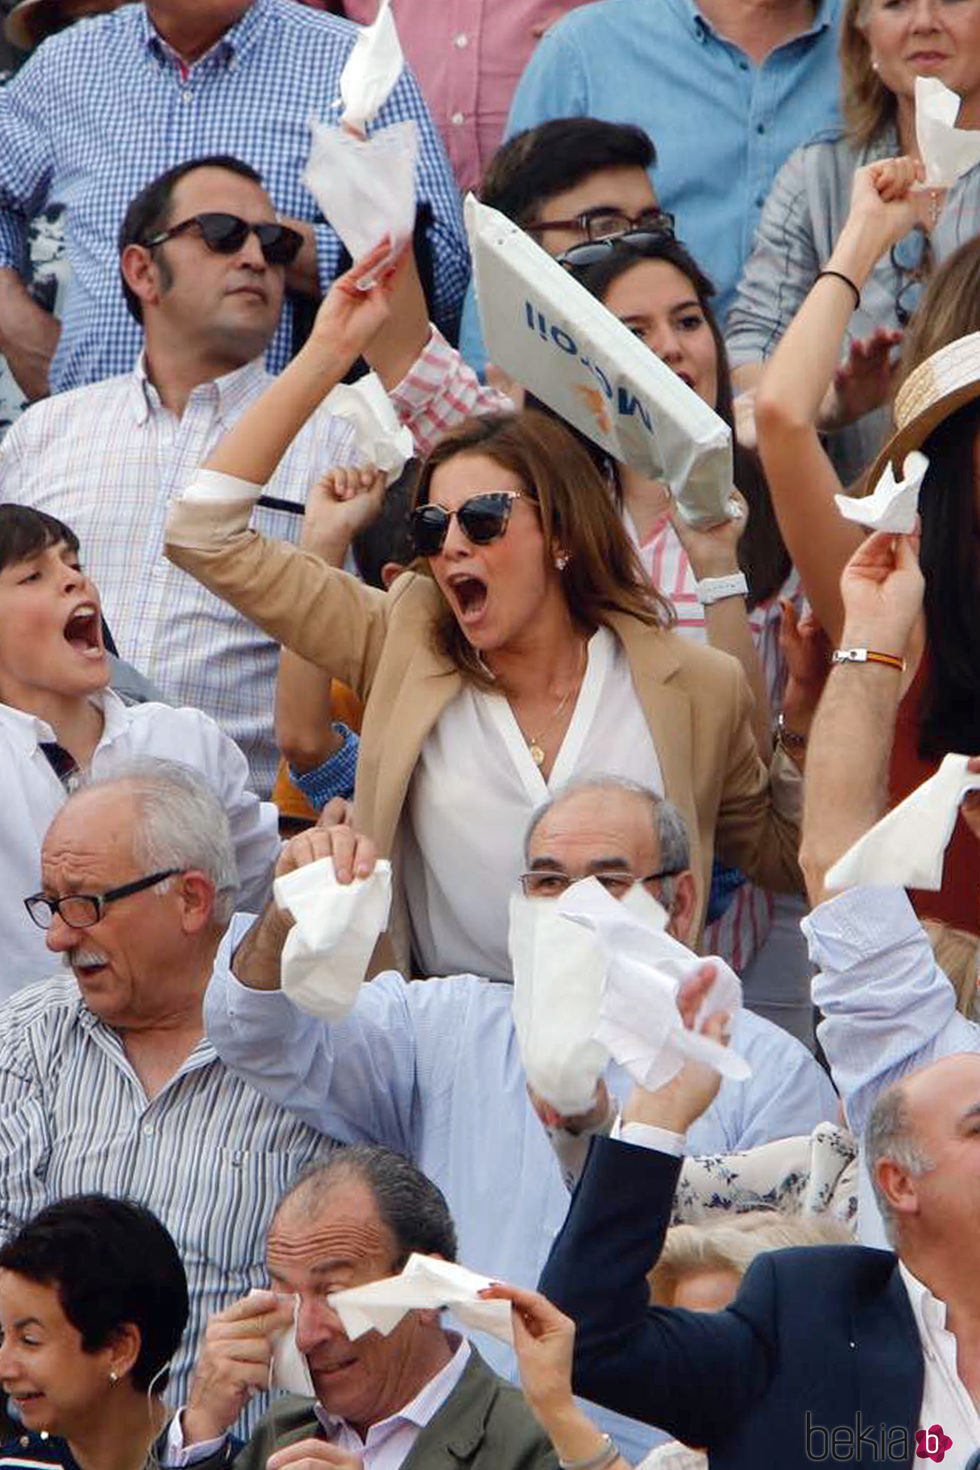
[[533, 166], [24, 532], [149, 212], [412, 1208], [112, 1263]]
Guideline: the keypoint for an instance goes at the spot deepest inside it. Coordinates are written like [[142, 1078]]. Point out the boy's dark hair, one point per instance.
[[149, 212], [25, 531], [388, 537], [533, 166], [112, 1263]]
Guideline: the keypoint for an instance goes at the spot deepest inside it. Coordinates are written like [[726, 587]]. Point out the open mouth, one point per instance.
[[470, 594], [83, 631]]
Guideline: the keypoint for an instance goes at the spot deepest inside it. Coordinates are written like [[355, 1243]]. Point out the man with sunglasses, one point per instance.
[[434, 1070], [203, 260], [108, 1084]]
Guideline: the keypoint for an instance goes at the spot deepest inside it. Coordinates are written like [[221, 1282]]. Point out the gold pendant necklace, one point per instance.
[[534, 748]]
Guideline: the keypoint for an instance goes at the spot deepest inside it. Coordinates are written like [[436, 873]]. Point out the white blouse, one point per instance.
[[473, 793]]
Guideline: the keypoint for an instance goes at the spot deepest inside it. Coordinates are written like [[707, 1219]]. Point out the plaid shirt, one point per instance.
[[102, 109], [107, 460]]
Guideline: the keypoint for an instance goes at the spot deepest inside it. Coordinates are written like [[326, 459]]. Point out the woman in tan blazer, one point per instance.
[[526, 648]]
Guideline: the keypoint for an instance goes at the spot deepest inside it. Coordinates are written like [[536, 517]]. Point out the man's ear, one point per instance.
[[899, 1187], [196, 893], [683, 907], [141, 274]]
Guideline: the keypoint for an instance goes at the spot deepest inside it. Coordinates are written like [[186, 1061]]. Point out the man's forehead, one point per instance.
[[595, 825], [626, 188], [221, 190], [946, 1093], [341, 1226], [94, 831]]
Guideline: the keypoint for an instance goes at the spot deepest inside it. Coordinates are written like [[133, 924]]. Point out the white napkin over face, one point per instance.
[[894, 505], [426, 1281], [328, 950], [947, 151], [908, 845], [371, 70], [378, 436], [639, 1022]]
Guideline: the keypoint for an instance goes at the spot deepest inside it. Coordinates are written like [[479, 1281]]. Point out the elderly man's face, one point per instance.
[[130, 965], [943, 1108], [342, 1242]]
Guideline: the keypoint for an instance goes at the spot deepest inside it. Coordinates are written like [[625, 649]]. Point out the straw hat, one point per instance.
[[937, 388], [31, 21]]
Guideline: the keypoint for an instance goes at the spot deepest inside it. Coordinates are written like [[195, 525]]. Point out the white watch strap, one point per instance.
[[714, 589]]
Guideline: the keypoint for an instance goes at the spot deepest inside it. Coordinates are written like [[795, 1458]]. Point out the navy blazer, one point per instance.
[[817, 1339]]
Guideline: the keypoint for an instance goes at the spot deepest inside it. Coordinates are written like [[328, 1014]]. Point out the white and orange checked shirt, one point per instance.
[[440, 390]]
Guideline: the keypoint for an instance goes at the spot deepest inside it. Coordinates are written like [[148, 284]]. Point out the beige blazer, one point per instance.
[[696, 700]]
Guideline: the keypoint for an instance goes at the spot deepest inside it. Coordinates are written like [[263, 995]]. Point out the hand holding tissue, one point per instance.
[[907, 847], [894, 505], [327, 952], [379, 438], [426, 1281], [947, 151]]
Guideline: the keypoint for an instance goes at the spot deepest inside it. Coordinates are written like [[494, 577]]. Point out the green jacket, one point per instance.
[[483, 1425]]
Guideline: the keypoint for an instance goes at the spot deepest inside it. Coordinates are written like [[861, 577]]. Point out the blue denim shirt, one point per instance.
[[722, 124]]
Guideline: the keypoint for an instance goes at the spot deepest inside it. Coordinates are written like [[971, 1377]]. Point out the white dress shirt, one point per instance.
[[32, 794], [107, 460], [472, 795], [946, 1401]]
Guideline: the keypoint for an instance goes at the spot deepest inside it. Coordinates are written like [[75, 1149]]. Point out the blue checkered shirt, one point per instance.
[[105, 107]]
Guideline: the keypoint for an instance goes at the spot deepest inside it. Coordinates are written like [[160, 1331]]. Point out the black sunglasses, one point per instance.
[[591, 252], [226, 233], [482, 519]]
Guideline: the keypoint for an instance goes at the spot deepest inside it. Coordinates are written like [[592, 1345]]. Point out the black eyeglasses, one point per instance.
[[552, 883], [601, 222], [911, 260], [82, 910], [591, 252], [482, 519], [226, 233]]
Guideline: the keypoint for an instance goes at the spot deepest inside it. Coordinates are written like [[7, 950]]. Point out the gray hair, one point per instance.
[[668, 824], [413, 1209], [888, 1135], [732, 1244], [181, 824]]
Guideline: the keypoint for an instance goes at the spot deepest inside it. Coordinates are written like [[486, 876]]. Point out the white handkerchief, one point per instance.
[[893, 506], [426, 1281], [557, 985], [371, 70], [365, 186], [947, 151], [638, 1017], [378, 436], [328, 950], [908, 845], [289, 1369]]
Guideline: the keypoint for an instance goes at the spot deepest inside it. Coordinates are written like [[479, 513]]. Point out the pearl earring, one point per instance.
[[561, 561], [113, 1376]]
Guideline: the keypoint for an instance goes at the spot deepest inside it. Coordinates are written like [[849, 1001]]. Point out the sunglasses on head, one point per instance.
[[482, 519], [591, 252], [226, 233]]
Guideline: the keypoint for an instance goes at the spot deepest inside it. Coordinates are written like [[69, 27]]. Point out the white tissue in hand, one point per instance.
[[365, 186], [947, 151], [557, 983], [893, 506], [371, 70], [426, 1281], [908, 845], [639, 1021], [290, 1370], [379, 438], [328, 950]]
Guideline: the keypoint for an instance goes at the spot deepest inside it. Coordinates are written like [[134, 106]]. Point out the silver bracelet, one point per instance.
[[714, 589], [599, 1461]]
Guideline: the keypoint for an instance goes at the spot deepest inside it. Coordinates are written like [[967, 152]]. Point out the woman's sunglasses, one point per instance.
[[482, 519], [226, 233], [591, 252]]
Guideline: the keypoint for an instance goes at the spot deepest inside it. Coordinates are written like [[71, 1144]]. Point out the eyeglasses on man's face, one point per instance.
[[82, 910], [601, 222], [552, 882], [224, 234]]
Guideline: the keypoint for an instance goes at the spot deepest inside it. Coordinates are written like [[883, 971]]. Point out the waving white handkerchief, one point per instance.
[[908, 845], [378, 436], [327, 952], [947, 151], [894, 505], [365, 186], [426, 1281], [558, 972], [371, 70], [639, 1021]]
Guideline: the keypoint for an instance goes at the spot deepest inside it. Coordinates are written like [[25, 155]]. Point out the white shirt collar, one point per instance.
[[28, 731], [418, 1411], [928, 1310]]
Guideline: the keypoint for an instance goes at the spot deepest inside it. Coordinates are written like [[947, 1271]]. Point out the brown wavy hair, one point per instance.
[[603, 574], [867, 104], [949, 308]]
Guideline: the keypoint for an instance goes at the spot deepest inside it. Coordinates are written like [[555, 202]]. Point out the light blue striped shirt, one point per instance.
[[207, 1154]]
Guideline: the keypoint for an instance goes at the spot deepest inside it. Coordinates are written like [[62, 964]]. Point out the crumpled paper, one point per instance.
[[426, 1281], [379, 438], [327, 952], [907, 847], [893, 506], [639, 1022], [947, 151]]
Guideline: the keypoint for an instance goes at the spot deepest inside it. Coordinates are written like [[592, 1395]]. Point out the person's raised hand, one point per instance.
[[682, 1100], [349, 316], [543, 1341], [233, 1363], [353, 854], [712, 550], [341, 504], [885, 199], [882, 588], [576, 1123], [805, 649], [313, 1454], [864, 380]]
